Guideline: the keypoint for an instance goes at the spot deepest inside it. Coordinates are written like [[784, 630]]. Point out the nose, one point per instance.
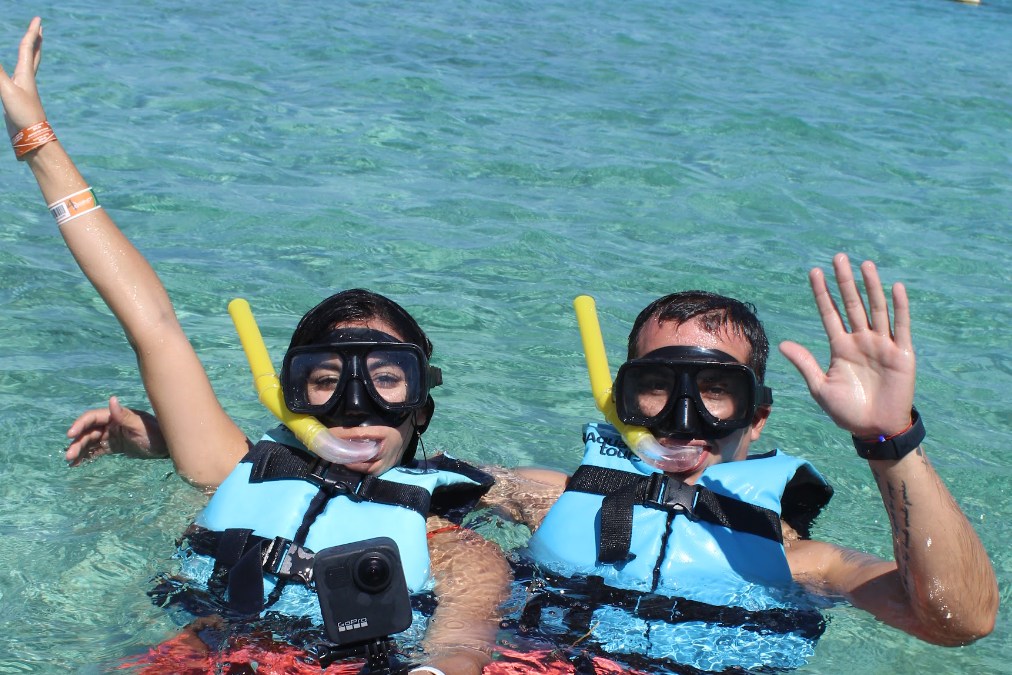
[[353, 409], [356, 401], [685, 419]]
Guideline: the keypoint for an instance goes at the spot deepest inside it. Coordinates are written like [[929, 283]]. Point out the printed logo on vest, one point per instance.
[[610, 446]]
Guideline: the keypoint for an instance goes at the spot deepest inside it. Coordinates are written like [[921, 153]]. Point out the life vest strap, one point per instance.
[[589, 593], [623, 490], [275, 461], [279, 556]]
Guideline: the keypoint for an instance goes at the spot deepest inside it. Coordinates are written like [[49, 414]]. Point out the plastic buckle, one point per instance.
[[274, 555], [320, 473], [671, 494], [323, 472]]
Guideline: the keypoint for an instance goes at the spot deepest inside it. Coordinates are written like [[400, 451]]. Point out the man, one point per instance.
[[686, 541]]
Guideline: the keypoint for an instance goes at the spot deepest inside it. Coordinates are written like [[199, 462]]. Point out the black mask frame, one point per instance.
[[685, 413], [355, 390]]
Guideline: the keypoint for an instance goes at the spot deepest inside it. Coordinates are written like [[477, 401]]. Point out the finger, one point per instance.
[[116, 411], [85, 454], [72, 457], [72, 453], [76, 453], [37, 60], [828, 312], [857, 316], [806, 364], [84, 421], [877, 305], [88, 420], [90, 444], [30, 49], [901, 318]]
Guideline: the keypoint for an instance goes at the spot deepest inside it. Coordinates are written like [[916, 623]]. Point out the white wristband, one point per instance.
[[74, 206], [426, 669]]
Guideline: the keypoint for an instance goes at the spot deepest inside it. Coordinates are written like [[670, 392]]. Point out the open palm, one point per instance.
[[869, 386]]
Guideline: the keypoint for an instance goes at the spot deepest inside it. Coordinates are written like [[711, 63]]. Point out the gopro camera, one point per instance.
[[362, 592]]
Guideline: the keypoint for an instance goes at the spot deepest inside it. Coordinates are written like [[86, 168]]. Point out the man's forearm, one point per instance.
[[945, 571]]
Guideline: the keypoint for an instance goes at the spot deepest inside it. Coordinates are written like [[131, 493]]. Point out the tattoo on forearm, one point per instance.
[[898, 510]]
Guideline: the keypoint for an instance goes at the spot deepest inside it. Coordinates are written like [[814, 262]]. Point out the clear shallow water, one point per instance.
[[483, 163]]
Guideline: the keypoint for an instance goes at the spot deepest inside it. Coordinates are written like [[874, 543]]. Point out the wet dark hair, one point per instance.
[[360, 305], [355, 305], [715, 313]]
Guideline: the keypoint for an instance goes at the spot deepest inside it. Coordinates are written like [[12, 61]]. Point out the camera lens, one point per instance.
[[372, 573]]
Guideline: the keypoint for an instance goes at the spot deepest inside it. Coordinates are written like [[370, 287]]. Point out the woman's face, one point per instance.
[[392, 440]]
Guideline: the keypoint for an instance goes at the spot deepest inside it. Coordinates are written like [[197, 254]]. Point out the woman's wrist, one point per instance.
[[31, 138]]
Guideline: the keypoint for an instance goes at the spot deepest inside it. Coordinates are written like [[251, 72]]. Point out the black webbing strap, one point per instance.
[[274, 461], [279, 556], [590, 593], [623, 490]]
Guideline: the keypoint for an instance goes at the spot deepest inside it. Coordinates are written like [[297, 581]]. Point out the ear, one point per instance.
[[762, 413]]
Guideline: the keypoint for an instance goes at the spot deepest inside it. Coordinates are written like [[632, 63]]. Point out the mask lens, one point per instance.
[[395, 376], [314, 379], [317, 378], [725, 393], [646, 392], [654, 392]]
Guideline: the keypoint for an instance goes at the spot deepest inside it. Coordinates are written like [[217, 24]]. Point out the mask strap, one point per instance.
[[421, 443]]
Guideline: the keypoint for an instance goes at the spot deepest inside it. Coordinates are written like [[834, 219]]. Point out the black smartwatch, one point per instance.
[[896, 447]]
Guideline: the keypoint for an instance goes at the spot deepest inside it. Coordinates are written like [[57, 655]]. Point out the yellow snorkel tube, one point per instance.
[[306, 428], [639, 439], [600, 374]]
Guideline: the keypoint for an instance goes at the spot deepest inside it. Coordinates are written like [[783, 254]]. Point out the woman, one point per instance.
[[358, 361]]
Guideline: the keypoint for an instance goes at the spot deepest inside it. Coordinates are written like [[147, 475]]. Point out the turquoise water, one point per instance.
[[483, 163]]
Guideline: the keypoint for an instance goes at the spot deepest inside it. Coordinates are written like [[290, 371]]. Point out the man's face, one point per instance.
[[655, 335]]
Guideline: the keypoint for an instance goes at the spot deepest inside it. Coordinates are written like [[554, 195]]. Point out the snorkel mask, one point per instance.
[[346, 397], [665, 385], [689, 392], [358, 377]]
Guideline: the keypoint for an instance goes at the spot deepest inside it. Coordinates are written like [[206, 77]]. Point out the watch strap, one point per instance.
[[893, 447]]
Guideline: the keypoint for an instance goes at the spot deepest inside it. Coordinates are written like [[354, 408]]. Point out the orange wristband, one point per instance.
[[32, 138]]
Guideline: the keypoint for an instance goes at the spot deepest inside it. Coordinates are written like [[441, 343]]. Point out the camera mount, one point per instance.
[[378, 653]]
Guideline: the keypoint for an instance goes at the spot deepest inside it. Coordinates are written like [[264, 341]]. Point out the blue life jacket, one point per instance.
[[678, 566], [254, 543]]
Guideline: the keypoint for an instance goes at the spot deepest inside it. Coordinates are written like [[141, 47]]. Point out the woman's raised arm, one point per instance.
[[204, 442]]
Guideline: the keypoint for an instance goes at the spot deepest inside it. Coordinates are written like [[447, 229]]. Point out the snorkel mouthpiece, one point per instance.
[[306, 428], [676, 460]]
